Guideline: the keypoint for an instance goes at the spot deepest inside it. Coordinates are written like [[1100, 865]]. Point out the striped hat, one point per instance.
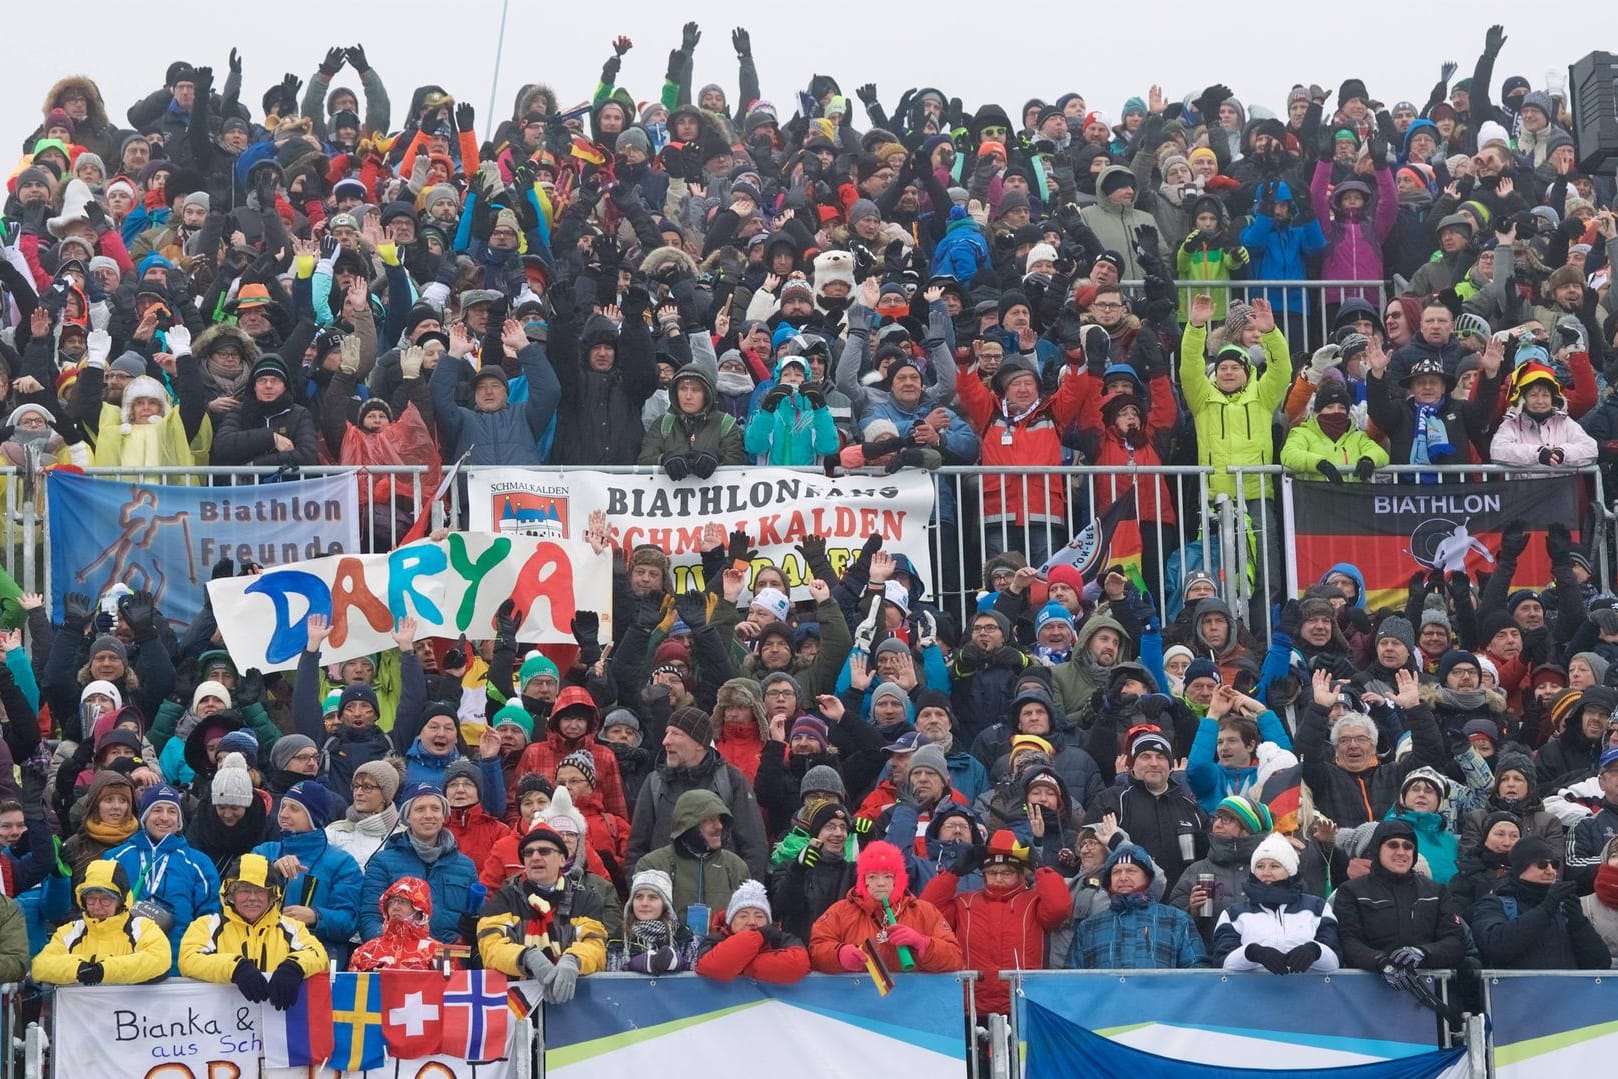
[[1254, 816]]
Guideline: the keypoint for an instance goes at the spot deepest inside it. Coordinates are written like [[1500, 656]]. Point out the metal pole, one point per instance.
[[494, 80]]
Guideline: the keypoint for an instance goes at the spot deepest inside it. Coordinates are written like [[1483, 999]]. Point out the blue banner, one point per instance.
[[166, 539], [1059, 1048], [1553, 1024], [824, 1027], [1300, 1021]]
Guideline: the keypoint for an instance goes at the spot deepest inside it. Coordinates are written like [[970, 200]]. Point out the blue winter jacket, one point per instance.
[[338, 882], [182, 879], [450, 880], [1280, 252]]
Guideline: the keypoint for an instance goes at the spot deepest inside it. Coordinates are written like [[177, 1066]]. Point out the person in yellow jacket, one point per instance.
[[108, 945], [543, 924], [146, 432], [1234, 413], [250, 938], [1327, 445]]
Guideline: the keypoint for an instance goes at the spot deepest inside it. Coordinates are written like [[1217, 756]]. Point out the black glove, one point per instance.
[[1548, 455], [1562, 891], [649, 612], [91, 973], [465, 117], [1009, 657], [742, 43], [1301, 958], [677, 465], [1558, 544], [251, 981], [815, 398], [703, 465], [284, 985], [506, 623], [1514, 539], [356, 57], [773, 399], [813, 549], [76, 610], [250, 689], [1329, 470], [1494, 40], [692, 607], [1208, 102], [140, 612], [867, 94], [333, 63], [1364, 469], [1271, 959], [968, 860], [1291, 618], [689, 36], [739, 549], [663, 960], [235, 62], [772, 934]]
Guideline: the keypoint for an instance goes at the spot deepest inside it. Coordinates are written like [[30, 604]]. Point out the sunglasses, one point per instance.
[[1544, 863], [1399, 844]]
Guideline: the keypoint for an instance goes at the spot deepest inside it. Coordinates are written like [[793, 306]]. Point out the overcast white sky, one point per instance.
[[1108, 51]]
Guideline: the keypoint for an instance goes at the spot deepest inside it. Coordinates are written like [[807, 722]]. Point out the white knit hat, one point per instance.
[[657, 882], [208, 689], [232, 786], [749, 895], [1276, 847]]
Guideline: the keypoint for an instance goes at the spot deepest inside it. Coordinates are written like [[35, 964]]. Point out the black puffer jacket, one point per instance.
[[246, 436], [1520, 928], [1355, 798], [1384, 911]]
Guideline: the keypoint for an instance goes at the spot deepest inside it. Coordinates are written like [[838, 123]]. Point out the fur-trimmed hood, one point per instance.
[[527, 95], [97, 115], [220, 332], [1493, 699], [662, 258]]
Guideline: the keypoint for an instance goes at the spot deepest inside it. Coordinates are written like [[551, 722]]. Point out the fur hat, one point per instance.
[[833, 266], [881, 857]]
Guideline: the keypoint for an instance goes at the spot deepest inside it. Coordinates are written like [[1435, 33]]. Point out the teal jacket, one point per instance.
[[794, 434]]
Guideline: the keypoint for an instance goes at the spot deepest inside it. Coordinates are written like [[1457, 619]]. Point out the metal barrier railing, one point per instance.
[[1303, 309], [1181, 522]]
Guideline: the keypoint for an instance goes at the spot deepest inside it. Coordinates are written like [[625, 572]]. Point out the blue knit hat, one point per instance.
[[316, 801], [161, 793]]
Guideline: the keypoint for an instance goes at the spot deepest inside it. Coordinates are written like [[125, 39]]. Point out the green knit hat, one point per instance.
[[1255, 816], [516, 715], [333, 702], [535, 666]]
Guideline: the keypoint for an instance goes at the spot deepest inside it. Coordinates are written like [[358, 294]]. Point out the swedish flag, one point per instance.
[[356, 1013]]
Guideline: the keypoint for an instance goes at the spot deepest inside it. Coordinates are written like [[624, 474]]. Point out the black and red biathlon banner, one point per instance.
[[1391, 531]]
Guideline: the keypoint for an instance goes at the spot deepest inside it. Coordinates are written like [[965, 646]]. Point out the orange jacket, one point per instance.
[[857, 918]]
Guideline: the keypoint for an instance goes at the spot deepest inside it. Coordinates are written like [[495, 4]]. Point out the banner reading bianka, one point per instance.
[[166, 539], [180, 1029], [1392, 531], [777, 507], [450, 587]]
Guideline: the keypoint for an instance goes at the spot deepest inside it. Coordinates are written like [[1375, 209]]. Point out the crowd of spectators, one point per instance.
[[735, 783]]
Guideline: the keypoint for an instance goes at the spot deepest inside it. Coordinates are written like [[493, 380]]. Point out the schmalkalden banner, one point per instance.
[[1391, 531], [777, 507]]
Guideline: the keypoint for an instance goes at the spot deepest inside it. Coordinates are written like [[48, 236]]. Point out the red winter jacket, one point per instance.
[[476, 831], [726, 955], [1035, 440], [1154, 502], [1001, 929], [741, 746], [543, 757]]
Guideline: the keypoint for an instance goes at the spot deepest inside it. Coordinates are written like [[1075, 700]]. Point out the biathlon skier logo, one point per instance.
[[1441, 544]]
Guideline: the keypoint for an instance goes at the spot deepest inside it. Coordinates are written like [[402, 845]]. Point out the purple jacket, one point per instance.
[[1354, 248]]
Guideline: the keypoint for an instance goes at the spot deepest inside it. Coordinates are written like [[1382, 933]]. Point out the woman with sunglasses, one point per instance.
[[1395, 918], [1534, 921]]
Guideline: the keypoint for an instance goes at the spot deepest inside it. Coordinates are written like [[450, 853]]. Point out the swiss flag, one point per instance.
[[412, 1013], [477, 1020]]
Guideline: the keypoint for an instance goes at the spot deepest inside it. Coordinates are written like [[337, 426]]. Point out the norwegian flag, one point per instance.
[[412, 1012], [477, 1020]]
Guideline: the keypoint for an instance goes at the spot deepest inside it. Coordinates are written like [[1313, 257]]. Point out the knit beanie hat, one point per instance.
[[1399, 629], [621, 717], [205, 690], [108, 643], [1253, 815], [582, 760], [823, 778], [694, 722], [316, 801], [1530, 851], [655, 881], [1276, 847], [241, 741], [1598, 665], [151, 796], [286, 747], [749, 895], [384, 775], [932, 759], [813, 727], [514, 715], [232, 786]]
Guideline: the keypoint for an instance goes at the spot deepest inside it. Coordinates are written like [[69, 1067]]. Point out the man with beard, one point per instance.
[[983, 671], [1099, 646]]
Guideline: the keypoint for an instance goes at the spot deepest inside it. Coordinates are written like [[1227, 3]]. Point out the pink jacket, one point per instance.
[[1355, 244], [1519, 440]]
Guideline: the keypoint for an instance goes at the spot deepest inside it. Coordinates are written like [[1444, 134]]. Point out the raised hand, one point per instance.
[[404, 633], [317, 627]]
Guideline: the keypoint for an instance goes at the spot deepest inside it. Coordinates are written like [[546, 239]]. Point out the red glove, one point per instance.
[[905, 936], [851, 958]]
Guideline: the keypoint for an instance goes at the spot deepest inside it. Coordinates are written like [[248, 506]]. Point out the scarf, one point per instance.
[[733, 383], [1053, 656], [1460, 701], [109, 835], [652, 935], [1607, 886], [1335, 424], [430, 852], [221, 385], [380, 823], [1131, 901], [1431, 439]]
